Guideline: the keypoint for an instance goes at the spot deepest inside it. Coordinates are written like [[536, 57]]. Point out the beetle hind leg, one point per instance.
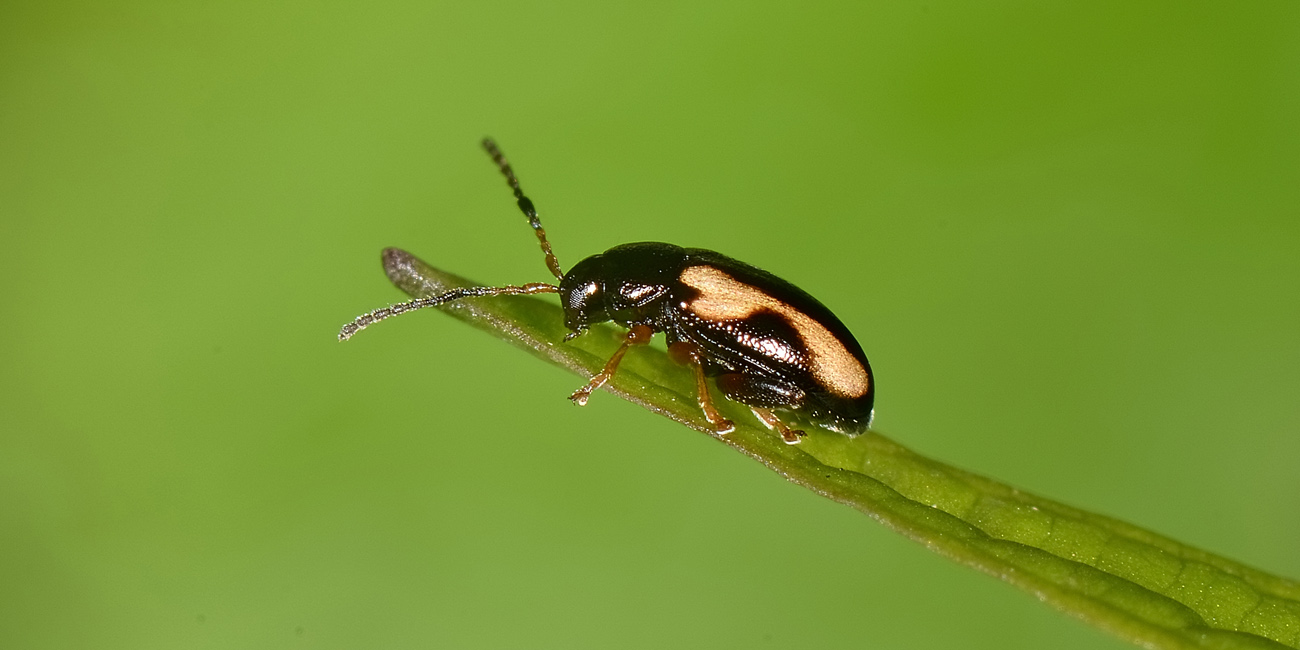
[[761, 395], [790, 436]]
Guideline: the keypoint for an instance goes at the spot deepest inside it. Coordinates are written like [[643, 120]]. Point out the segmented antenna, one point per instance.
[[525, 205], [377, 315]]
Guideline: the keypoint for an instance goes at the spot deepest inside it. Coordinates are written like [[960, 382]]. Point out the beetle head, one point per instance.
[[582, 294]]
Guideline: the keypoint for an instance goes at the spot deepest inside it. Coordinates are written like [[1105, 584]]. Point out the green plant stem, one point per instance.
[[1140, 586]]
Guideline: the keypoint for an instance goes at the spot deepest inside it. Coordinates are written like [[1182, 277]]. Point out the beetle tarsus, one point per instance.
[[790, 436]]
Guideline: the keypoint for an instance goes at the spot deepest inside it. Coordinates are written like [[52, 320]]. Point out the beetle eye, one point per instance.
[[584, 298]]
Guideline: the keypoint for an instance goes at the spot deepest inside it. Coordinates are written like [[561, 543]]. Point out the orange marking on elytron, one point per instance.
[[723, 297]]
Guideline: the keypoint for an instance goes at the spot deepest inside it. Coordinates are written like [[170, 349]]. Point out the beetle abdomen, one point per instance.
[[752, 321], [763, 324]]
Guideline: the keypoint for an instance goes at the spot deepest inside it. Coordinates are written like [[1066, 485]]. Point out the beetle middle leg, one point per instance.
[[687, 354], [637, 335]]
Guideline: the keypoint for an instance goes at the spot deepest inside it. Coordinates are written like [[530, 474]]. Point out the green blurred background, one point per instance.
[[1066, 234]]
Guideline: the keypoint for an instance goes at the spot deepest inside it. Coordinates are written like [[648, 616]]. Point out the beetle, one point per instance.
[[766, 343]]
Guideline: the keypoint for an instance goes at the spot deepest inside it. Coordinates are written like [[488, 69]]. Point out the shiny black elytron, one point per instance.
[[767, 344]]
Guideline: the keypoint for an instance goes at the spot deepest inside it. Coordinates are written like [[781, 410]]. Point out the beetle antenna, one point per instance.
[[525, 204], [365, 320]]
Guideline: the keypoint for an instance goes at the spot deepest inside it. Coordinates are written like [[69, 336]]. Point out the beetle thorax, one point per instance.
[[625, 284]]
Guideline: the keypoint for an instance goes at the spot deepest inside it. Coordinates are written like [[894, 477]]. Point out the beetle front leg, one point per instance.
[[638, 335]]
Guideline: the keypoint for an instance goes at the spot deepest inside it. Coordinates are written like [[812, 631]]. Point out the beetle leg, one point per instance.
[[687, 354], [790, 436], [761, 395], [638, 335]]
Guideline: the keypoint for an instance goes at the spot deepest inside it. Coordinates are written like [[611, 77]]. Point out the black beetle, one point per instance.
[[768, 344]]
